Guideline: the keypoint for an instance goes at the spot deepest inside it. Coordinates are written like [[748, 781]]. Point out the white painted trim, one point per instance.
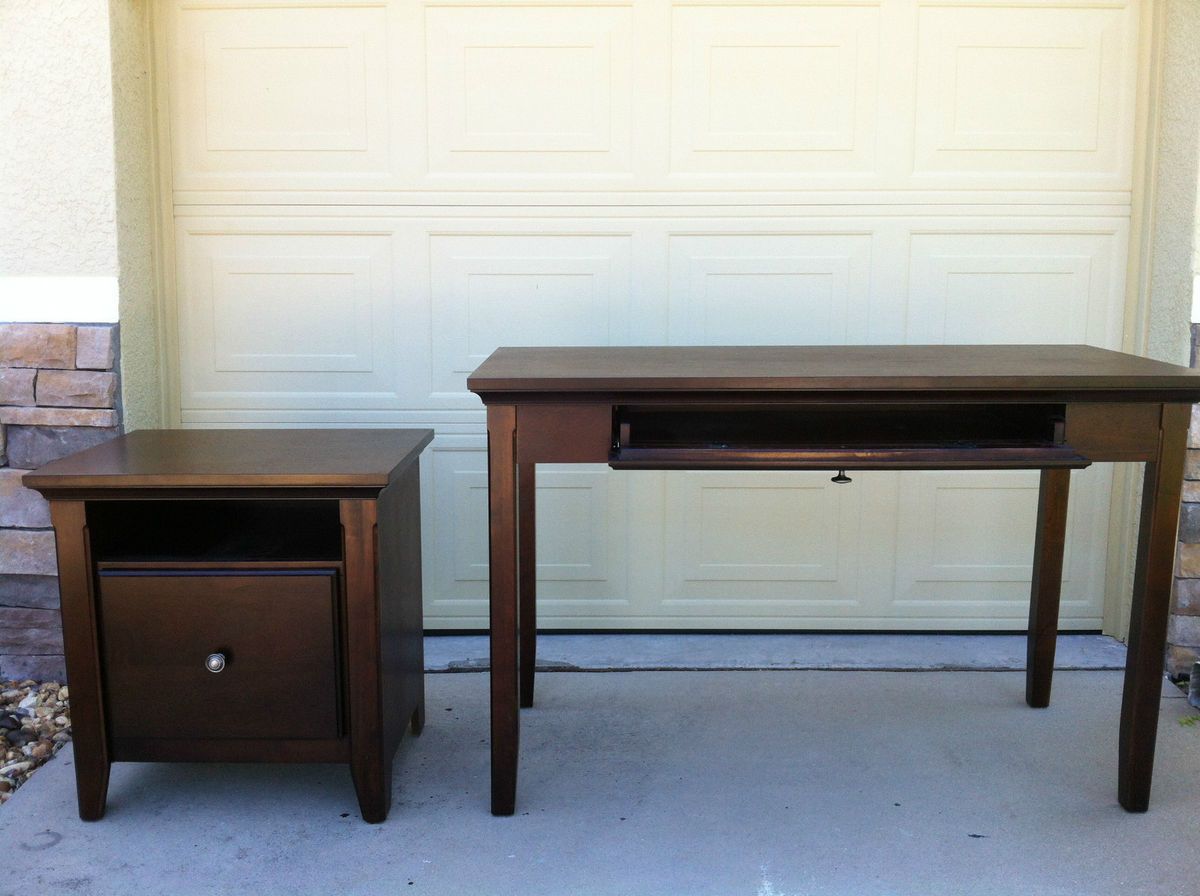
[[1196, 299], [58, 299]]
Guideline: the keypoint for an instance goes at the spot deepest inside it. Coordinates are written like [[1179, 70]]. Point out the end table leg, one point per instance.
[[1047, 584], [502, 519], [373, 787], [369, 768], [1151, 604], [77, 601], [527, 573]]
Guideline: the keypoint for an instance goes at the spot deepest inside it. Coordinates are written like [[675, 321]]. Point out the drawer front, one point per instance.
[[276, 630]]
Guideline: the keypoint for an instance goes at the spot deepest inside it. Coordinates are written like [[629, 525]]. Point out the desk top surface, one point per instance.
[[1069, 369], [237, 458]]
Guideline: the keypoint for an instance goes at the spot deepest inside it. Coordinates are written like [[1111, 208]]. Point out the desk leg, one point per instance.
[[1151, 604], [527, 574], [1047, 583], [503, 546], [83, 657]]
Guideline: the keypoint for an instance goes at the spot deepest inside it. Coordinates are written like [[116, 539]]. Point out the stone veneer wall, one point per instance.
[[58, 395], [1183, 637]]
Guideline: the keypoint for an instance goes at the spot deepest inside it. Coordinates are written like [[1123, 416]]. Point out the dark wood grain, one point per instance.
[[89, 727], [237, 459], [1049, 545], [402, 641], [1152, 581], [505, 627], [224, 749], [1090, 430], [369, 768], [296, 553], [527, 575], [930, 458], [157, 629], [1078, 369], [571, 405]]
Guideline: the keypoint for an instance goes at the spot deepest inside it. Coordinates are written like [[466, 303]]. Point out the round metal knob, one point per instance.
[[841, 478], [215, 662]]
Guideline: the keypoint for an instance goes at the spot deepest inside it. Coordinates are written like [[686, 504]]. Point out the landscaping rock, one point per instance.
[[40, 711]]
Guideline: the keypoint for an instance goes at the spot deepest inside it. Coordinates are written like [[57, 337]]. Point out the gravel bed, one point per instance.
[[34, 724]]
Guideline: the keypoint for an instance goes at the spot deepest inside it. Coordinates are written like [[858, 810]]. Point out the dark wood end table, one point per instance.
[[241, 595]]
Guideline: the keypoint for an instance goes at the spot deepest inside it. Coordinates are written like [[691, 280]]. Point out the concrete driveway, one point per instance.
[[765, 783]]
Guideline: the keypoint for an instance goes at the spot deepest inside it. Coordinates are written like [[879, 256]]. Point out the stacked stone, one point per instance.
[[1183, 635], [58, 395]]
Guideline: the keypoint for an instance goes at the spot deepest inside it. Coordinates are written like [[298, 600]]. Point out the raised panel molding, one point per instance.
[[543, 90], [762, 543], [292, 314], [783, 90], [580, 532], [278, 319], [1025, 92], [975, 527], [406, 101], [1015, 288], [501, 289], [755, 289], [285, 96], [572, 525], [965, 545], [278, 95]]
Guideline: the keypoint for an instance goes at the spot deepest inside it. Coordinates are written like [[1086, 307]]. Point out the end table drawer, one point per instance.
[[220, 654]]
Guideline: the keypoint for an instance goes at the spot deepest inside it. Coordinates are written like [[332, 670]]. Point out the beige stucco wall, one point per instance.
[[141, 388], [76, 172], [57, 203], [1173, 216]]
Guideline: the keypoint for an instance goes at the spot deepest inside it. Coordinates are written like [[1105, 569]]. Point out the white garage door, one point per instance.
[[370, 197]]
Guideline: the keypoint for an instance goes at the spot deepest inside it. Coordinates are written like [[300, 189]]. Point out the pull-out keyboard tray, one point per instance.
[[849, 436]]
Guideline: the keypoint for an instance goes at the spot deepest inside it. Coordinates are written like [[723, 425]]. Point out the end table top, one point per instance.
[[237, 459]]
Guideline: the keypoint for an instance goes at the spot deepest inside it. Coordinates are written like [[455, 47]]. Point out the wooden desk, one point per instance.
[[1050, 408], [241, 595]]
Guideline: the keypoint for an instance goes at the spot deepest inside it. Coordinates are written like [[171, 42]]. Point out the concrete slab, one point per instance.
[[796, 783], [648, 652]]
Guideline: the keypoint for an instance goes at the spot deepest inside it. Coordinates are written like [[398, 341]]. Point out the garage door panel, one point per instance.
[[988, 287], [965, 545], [301, 318], [534, 90], [1044, 93], [409, 97], [765, 544], [580, 535], [488, 290], [284, 95], [782, 90], [764, 289]]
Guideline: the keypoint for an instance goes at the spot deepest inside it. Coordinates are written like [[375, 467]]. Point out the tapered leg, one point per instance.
[[83, 657], [1047, 583], [369, 767], [527, 574], [502, 525], [1151, 604]]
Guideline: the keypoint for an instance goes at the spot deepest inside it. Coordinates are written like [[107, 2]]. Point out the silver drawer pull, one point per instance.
[[215, 662]]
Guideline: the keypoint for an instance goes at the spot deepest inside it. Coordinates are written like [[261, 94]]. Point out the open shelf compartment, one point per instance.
[[214, 531]]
